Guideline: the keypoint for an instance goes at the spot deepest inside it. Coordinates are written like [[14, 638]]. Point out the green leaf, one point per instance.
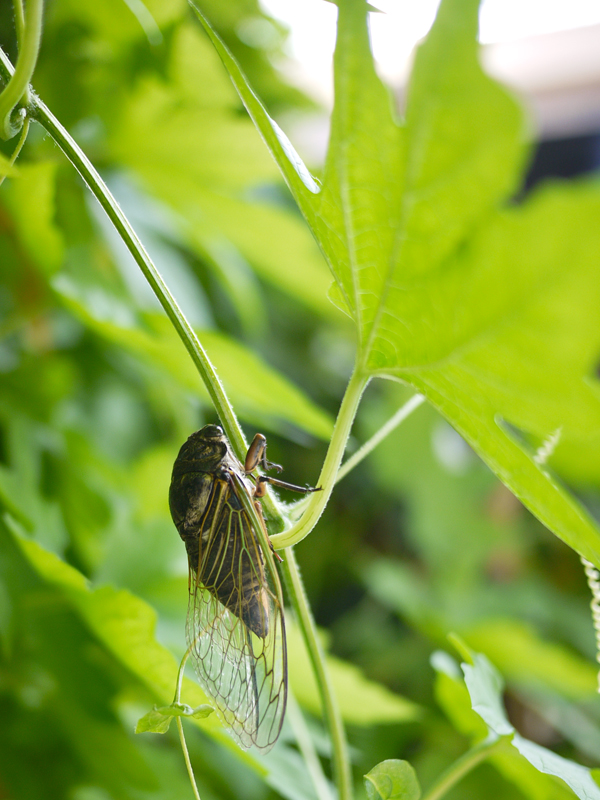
[[470, 304], [453, 697], [153, 722], [485, 687], [578, 778], [159, 719], [184, 710], [392, 780], [202, 711], [527, 779], [494, 330], [30, 196], [261, 394], [361, 701]]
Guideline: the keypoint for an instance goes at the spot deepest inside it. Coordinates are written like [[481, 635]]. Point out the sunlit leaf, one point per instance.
[[468, 302]]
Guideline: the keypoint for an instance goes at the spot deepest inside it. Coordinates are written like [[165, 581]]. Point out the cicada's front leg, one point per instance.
[[257, 455]]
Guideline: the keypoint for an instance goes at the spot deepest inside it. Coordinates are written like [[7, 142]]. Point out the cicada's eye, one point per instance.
[[212, 432]]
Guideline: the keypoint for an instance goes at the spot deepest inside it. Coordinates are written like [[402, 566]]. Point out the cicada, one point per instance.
[[235, 625]]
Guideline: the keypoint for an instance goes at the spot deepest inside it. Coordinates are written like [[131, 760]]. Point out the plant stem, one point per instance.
[[307, 748], [339, 439], [17, 88], [186, 756], [18, 148], [341, 758], [100, 191], [461, 767], [180, 671], [400, 415], [19, 21]]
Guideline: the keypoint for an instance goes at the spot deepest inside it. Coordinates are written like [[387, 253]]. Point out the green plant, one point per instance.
[[452, 292]]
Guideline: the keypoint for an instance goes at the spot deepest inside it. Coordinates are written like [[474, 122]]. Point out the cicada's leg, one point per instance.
[[262, 479], [257, 454]]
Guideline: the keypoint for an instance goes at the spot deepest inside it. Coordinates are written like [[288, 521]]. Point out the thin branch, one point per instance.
[[186, 755], [339, 439], [307, 749], [400, 415], [100, 191], [341, 757], [461, 767]]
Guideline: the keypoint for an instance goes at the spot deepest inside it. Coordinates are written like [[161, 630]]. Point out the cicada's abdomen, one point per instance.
[[232, 568]]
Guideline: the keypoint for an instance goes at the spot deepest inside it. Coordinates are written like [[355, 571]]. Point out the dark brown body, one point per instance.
[[223, 552]]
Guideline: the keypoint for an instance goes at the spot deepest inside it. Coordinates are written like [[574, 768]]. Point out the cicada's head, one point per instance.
[[203, 452]]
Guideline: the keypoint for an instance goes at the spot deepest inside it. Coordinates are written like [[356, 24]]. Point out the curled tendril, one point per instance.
[[593, 579]]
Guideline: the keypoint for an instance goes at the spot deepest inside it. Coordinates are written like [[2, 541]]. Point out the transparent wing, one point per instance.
[[235, 626]]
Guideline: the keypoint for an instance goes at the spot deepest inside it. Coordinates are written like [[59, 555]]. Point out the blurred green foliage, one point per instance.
[[97, 394]]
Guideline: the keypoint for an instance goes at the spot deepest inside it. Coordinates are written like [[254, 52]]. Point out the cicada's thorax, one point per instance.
[[223, 552]]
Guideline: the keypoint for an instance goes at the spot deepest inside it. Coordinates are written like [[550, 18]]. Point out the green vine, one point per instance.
[[17, 89]]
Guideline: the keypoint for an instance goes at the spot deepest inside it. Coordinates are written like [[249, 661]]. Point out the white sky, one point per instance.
[[394, 33]]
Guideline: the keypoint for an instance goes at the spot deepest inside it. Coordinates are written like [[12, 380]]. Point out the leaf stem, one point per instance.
[[461, 767], [339, 439], [341, 758], [363, 451], [17, 88]]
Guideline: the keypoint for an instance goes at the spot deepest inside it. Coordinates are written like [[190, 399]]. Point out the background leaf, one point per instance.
[[392, 779]]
